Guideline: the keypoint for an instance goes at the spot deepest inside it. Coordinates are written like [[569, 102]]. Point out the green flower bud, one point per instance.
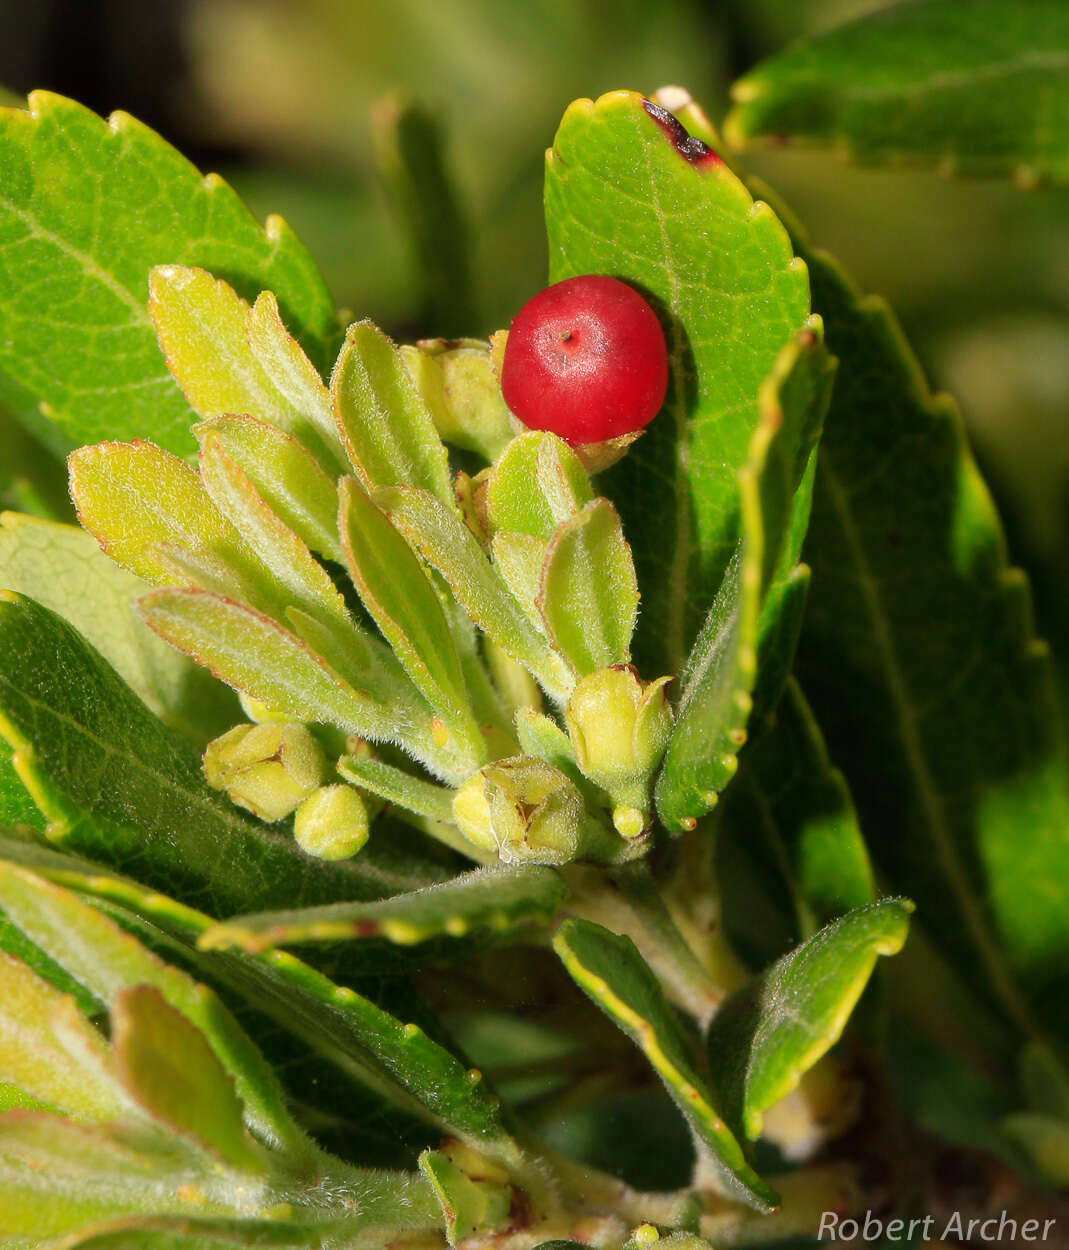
[[332, 823], [619, 727], [267, 768], [526, 811]]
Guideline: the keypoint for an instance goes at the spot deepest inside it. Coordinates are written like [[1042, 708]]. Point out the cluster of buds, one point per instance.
[[493, 697]]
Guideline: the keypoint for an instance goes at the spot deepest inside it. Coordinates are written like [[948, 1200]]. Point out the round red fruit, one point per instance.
[[585, 359]]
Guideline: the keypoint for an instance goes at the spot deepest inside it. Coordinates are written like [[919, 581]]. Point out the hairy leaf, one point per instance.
[[168, 1065], [384, 423], [627, 195], [400, 597], [287, 476], [611, 971], [203, 329], [62, 568], [978, 88], [588, 596], [788, 836], [770, 1032], [919, 658], [50, 1051], [446, 543], [499, 899], [536, 483], [117, 785], [722, 669], [88, 208]]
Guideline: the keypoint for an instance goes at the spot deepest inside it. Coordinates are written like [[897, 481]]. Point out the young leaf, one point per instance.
[[88, 208], [287, 476], [972, 88], [62, 568], [203, 328], [292, 373], [100, 956], [611, 971], [345, 1029], [461, 391], [787, 831], [50, 1051], [496, 898], [443, 540], [627, 195], [468, 1206], [302, 581], [113, 483], [58, 1176], [167, 1064], [399, 596], [161, 1232], [589, 595], [956, 720], [117, 785], [772, 1031], [537, 483], [384, 423], [719, 680], [268, 663]]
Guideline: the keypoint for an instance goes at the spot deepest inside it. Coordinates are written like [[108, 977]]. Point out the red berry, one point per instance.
[[585, 359]]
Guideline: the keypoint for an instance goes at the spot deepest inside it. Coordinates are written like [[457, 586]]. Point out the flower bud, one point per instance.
[[267, 768], [332, 823], [619, 727], [526, 811]]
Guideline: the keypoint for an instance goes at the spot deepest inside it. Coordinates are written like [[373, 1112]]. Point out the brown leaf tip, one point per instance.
[[690, 148]]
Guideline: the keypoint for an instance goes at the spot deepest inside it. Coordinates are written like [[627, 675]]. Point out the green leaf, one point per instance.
[[977, 88], [460, 388], [384, 423], [255, 655], [88, 208], [589, 595], [447, 545], [410, 156], [167, 1064], [399, 596], [302, 581], [414, 794], [184, 1233], [789, 834], [117, 785], [58, 1176], [956, 719], [499, 899], [626, 196], [62, 568], [137, 500], [772, 1031], [721, 671], [50, 1051], [203, 328], [102, 958], [611, 971], [536, 483], [285, 474], [468, 1206]]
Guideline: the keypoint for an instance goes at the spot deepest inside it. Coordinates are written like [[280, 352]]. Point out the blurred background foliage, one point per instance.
[[290, 100]]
